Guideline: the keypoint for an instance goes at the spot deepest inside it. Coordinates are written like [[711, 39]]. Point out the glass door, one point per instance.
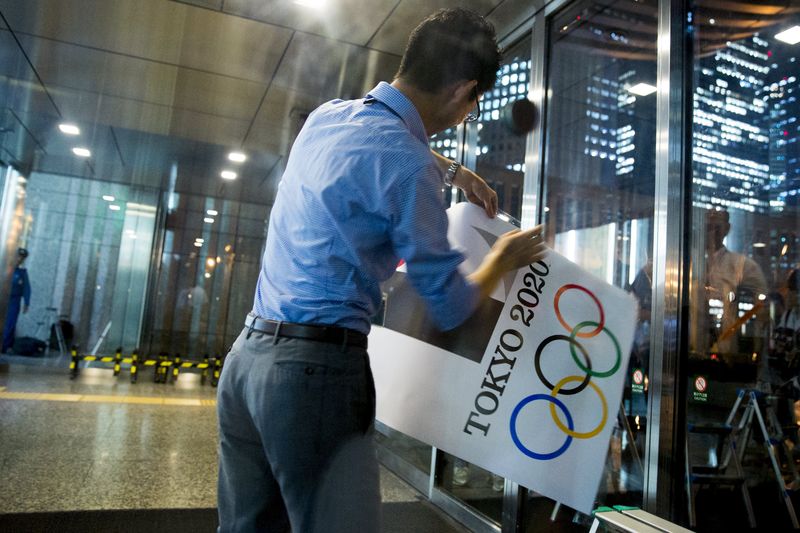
[[598, 203]]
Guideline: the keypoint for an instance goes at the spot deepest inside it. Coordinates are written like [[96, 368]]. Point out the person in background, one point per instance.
[[361, 191], [20, 290], [784, 356]]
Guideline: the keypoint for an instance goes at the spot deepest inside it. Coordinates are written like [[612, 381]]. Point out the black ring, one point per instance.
[[548, 340]]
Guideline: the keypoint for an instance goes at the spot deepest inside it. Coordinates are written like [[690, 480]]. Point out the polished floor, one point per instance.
[[100, 443]]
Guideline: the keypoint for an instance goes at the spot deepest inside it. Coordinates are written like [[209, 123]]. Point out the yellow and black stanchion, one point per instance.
[[134, 366], [160, 374], [217, 371], [204, 374], [73, 363], [176, 368], [118, 361], [161, 365]]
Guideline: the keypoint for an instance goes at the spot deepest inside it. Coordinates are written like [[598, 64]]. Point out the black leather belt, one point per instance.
[[331, 334]]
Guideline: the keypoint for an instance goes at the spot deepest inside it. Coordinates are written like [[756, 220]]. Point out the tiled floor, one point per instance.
[[98, 442]]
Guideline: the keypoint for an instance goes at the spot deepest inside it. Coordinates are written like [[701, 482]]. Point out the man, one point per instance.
[[730, 279], [20, 290], [361, 191]]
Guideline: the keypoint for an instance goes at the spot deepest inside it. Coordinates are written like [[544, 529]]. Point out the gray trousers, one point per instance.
[[296, 422]]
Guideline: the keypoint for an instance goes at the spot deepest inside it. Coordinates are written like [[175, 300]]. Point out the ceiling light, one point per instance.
[[208, 220], [81, 152], [210, 262], [69, 129], [114, 207], [791, 36], [212, 212], [108, 198], [207, 275], [759, 245], [316, 4], [198, 244], [237, 157], [228, 175], [200, 240], [642, 89]]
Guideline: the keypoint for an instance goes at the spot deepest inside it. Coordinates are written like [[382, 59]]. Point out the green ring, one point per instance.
[[577, 360]]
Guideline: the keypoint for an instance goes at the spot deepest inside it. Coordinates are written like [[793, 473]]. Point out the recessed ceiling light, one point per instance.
[[108, 198], [207, 275], [210, 262], [114, 207], [237, 157], [212, 212], [81, 152], [642, 89], [69, 129], [759, 245], [208, 220], [228, 175], [316, 4], [198, 244], [791, 36]]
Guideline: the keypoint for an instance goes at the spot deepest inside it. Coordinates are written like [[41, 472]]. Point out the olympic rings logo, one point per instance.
[[584, 363]]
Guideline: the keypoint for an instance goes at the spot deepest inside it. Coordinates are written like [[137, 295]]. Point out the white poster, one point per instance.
[[529, 387]]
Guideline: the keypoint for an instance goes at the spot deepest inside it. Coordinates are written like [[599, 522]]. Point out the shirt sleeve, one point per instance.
[[419, 236]]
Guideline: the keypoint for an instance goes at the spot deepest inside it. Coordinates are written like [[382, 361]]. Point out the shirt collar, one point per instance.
[[395, 100]]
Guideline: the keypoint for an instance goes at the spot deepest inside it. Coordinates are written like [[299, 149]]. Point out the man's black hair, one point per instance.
[[451, 45]]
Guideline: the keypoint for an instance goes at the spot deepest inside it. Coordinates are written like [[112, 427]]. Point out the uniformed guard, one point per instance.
[[20, 290]]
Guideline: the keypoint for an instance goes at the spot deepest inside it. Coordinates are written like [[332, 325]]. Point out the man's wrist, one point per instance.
[[450, 174]]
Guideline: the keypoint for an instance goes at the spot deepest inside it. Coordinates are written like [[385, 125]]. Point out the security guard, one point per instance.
[[20, 289]]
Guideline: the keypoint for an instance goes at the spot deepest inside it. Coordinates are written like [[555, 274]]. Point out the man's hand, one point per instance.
[[477, 191], [512, 251], [473, 186]]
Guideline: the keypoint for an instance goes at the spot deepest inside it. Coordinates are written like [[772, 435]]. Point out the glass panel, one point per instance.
[[207, 277], [89, 257], [500, 156], [599, 179], [743, 317], [500, 152]]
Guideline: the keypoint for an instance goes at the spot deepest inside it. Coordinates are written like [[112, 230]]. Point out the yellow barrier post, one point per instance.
[[204, 375], [134, 366], [73, 364], [176, 367], [118, 361], [217, 371]]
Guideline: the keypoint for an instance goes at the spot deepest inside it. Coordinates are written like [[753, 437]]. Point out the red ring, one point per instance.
[[601, 323]]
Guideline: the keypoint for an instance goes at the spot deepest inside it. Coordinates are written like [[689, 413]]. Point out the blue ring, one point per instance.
[[518, 443]]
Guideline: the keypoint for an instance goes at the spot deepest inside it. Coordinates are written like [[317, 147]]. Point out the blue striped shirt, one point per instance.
[[360, 192]]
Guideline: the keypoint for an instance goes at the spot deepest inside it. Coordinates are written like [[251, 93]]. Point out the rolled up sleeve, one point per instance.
[[419, 237]]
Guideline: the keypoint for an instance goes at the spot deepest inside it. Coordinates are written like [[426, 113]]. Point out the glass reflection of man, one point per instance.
[[784, 351], [787, 328], [20, 290], [735, 291]]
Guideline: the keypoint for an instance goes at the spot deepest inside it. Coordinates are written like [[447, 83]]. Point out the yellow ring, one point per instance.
[[562, 427]]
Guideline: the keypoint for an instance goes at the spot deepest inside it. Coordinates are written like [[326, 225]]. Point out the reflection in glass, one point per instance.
[[599, 184], [207, 275], [500, 153], [88, 263], [743, 305]]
